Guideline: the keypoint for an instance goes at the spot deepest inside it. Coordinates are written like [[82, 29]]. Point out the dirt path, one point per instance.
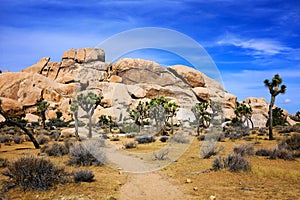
[[150, 186]]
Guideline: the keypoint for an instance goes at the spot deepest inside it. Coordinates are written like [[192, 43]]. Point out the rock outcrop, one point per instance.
[[123, 84]]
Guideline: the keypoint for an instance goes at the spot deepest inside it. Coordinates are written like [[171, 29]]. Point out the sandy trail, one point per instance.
[[148, 186]]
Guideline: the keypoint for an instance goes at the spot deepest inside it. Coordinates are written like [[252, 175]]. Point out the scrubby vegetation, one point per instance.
[[55, 149], [84, 176], [33, 173], [87, 153]]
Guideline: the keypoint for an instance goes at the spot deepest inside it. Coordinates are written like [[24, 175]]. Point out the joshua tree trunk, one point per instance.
[[198, 130], [271, 118], [76, 126], [172, 126], [90, 126]]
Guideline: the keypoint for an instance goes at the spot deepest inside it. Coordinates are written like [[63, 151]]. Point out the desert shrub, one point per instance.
[[5, 138], [236, 162], [87, 153], [161, 155], [163, 138], [18, 139], [145, 139], [263, 152], [233, 162], [293, 143], [3, 162], [281, 153], [83, 176], [131, 135], [69, 142], [55, 149], [42, 139], [201, 137], [115, 139], [57, 123], [129, 128], [244, 149], [54, 135], [130, 145], [33, 173], [179, 138], [210, 148], [218, 163]]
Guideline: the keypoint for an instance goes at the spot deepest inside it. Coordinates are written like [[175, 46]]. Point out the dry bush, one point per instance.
[[236, 163], [130, 145], [281, 153], [87, 153], [55, 149], [5, 138], [161, 155], [42, 139], [145, 139], [210, 148], [83, 176], [33, 173], [233, 162], [244, 149], [180, 138], [263, 152], [18, 139], [3, 162], [293, 143], [163, 138]]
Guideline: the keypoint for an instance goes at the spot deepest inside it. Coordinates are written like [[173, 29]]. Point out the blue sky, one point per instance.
[[248, 40]]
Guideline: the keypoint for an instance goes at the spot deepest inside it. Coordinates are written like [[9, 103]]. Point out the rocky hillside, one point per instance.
[[123, 84]]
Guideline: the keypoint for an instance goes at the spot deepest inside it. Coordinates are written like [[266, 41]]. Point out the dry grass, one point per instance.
[[268, 179], [107, 181]]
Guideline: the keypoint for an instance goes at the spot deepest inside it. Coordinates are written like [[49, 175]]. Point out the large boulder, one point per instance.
[[137, 71], [69, 54], [192, 76], [38, 67], [11, 106], [202, 93], [94, 54]]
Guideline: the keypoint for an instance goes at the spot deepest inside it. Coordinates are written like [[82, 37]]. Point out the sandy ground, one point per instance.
[[150, 186]]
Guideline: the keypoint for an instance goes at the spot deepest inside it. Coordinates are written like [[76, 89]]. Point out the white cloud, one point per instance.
[[257, 46], [286, 101]]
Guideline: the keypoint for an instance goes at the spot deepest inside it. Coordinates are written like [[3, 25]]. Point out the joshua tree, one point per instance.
[[88, 103], [157, 111], [139, 114], [275, 88], [216, 108], [11, 122], [106, 121], [244, 113], [171, 109], [202, 116], [278, 117], [162, 110], [74, 109], [41, 108]]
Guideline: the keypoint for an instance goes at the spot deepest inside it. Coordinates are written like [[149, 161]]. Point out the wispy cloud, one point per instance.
[[257, 46]]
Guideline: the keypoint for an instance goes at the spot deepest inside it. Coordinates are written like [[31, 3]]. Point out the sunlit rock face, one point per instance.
[[122, 84]]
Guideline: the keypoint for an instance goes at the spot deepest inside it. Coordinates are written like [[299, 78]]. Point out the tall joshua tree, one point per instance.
[[202, 116], [41, 108], [88, 103], [275, 88]]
